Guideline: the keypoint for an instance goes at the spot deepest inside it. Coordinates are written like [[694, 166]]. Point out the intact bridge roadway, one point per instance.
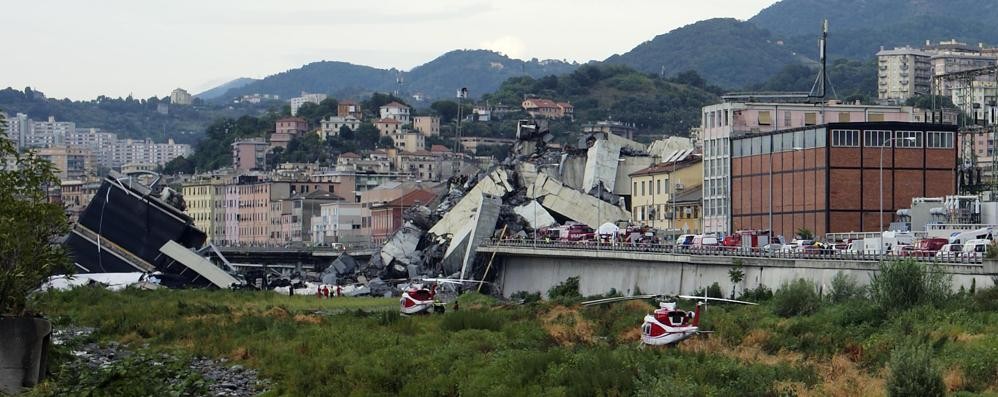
[[536, 266]]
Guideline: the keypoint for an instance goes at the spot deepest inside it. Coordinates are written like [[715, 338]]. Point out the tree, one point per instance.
[[805, 233], [29, 225], [179, 165], [346, 133], [447, 110], [367, 136], [386, 142], [736, 275]]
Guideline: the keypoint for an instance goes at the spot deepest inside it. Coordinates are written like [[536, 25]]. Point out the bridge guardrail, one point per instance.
[[823, 254]]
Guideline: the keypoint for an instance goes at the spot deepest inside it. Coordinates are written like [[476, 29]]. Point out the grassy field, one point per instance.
[[362, 347]]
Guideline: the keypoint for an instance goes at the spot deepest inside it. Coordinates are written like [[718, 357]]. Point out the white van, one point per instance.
[[975, 248], [705, 241], [949, 251]]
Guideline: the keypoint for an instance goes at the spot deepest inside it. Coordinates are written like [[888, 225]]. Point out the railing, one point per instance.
[[296, 247], [813, 254]]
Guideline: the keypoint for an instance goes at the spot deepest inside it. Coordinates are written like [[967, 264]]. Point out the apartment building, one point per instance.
[[71, 163], [305, 97], [720, 121], [654, 190], [249, 154], [903, 73], [426, 125], [339, 222], [395, 111], [348, 108], [330, 126]]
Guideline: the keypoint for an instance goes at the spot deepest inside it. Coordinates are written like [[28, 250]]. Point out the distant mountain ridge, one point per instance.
[[725, 51], [481, 71], [860, 27], [220, 90]]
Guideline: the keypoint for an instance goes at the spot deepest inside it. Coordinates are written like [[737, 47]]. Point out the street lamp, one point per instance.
[[889, 141]]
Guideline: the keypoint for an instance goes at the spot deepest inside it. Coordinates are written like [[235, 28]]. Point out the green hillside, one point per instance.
[[860, 27], [727, 52], [599, 92]]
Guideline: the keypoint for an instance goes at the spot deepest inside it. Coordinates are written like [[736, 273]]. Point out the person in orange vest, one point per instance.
[[325, 292]]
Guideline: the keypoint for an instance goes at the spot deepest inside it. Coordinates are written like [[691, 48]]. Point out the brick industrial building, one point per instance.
[[827, 177]]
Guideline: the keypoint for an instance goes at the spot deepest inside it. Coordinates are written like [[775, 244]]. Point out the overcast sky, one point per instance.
[[82, 49]]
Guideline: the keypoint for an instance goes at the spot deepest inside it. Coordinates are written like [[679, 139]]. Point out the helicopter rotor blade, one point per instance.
[[452, 281], [617, 299], [704, 298]]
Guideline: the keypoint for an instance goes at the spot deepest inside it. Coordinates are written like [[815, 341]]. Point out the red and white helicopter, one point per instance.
[[418, 299], [668, 325]]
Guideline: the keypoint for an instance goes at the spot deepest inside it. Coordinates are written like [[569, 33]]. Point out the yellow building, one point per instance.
[[204, 199], [654, 188], [689, 205]]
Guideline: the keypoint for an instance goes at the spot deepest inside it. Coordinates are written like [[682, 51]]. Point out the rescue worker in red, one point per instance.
[[325, 292]]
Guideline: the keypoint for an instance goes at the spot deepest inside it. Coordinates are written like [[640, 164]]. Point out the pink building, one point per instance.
[[249, 154], [287, 128]]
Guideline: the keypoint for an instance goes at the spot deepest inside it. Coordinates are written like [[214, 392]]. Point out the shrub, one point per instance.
[[904, 284], [796, 298], [461, 320], [913, 374], [526, 297], [844, 288], [987, 299], [757, 294], [712, 291], [567, 290]]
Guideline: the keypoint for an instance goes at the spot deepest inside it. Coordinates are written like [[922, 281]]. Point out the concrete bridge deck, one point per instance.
[[537, 266]]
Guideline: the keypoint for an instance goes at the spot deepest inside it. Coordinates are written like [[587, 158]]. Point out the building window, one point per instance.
[[765, 118], [939, 140], [845, 138], [876, 138], [902, 139], [658, 186], [786, 118], [810, 118]]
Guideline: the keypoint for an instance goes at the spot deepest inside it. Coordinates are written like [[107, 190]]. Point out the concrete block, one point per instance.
[[574, 204], [601, 164], [496, 183], [535, 215], [401, 247], [23, 353]]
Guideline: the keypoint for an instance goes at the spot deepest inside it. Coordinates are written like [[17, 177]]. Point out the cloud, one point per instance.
[[512, 46]]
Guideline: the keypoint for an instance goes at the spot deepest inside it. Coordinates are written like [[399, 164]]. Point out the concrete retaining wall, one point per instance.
[[537, 270]]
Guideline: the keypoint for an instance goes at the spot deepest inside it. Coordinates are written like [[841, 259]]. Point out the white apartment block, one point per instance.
[[979, 100], [395, 111], [18, 128], [903, 73], [330, 126], [720, 121], [303, 99]]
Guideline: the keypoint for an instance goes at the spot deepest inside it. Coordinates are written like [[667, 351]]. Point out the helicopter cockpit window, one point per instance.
[[676, 318]]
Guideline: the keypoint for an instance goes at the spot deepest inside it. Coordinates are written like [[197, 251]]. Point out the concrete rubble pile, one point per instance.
[[538, 186]]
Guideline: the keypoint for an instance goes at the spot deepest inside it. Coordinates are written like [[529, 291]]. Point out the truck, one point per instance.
[[746, 240]]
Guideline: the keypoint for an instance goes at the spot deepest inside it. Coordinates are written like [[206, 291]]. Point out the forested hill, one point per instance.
[[860, 27], [600, 92], [128, 117], [726, 52], [481, 71]]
